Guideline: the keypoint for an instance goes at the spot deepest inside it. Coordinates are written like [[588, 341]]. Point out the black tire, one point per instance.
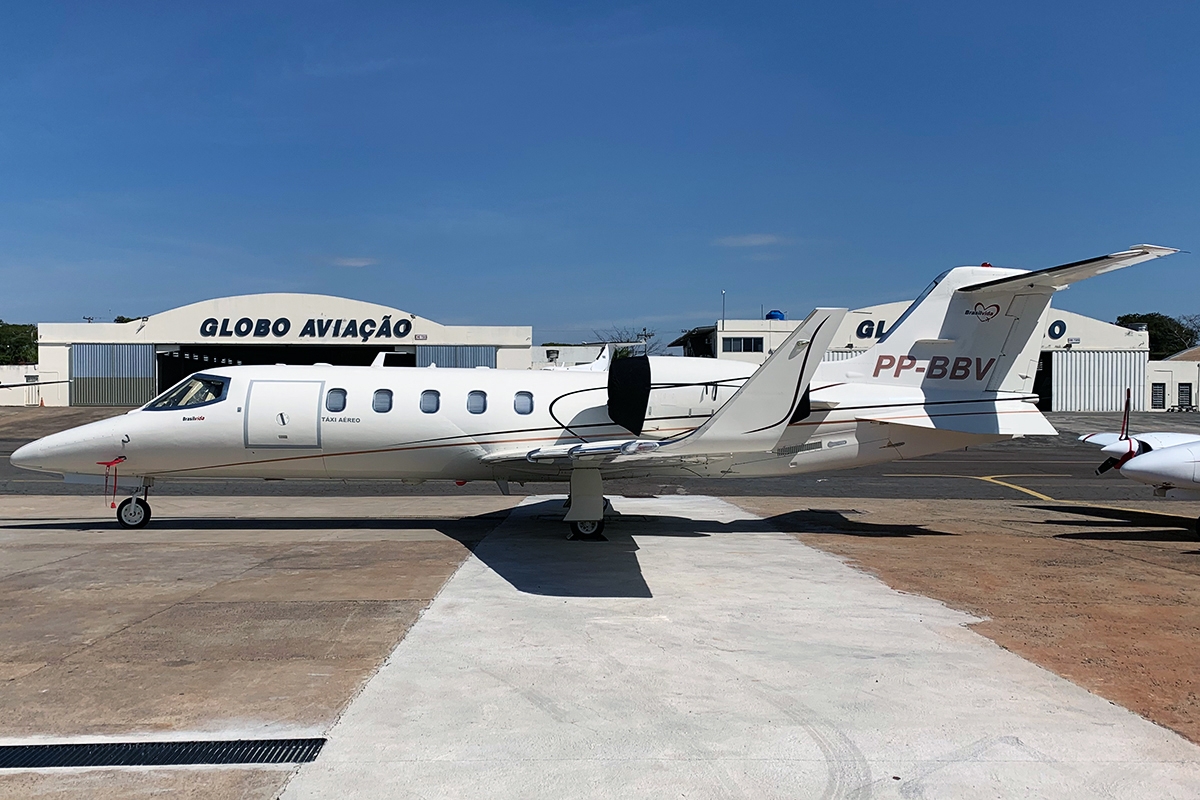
[[134, 512], [588, 530]]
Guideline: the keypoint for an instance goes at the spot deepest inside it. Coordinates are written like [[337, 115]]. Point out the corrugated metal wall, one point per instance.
[[1096, 380], [456, 355], [842, 355], [112, 374]]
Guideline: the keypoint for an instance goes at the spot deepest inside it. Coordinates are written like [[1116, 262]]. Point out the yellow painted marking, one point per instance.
[[994, 479]]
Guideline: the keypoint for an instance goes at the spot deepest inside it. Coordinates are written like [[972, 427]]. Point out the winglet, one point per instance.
[[757, 415]]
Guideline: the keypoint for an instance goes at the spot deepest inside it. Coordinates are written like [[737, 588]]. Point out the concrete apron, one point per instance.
[[698, 654]]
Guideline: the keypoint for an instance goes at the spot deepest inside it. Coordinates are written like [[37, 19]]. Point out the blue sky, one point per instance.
[[575, 166]]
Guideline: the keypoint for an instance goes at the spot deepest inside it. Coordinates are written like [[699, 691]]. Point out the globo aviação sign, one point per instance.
[[314, 328]]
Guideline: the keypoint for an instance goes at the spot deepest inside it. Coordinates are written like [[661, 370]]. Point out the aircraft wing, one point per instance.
[[1062, 276], [1100, 439], [1157, 440], [27, 385], [587, 454]]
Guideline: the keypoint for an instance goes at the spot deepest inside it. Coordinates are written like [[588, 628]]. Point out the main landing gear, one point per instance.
[[585, 506], [134, 512]]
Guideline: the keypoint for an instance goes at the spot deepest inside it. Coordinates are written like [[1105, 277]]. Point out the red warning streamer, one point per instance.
[[111, 466]]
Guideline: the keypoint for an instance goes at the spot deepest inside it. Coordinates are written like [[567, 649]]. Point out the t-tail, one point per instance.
[[974, 336]]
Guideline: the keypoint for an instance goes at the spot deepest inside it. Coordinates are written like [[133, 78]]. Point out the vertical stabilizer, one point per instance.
[[977, 329]]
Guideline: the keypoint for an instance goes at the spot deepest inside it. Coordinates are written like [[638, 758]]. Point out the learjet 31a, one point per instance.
[[956, 369]]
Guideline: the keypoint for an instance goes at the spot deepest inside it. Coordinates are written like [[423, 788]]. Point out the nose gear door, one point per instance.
[[284, 414]]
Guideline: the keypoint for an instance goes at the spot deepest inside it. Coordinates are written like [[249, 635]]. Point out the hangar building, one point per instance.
[[1086, 364], [129, 363]]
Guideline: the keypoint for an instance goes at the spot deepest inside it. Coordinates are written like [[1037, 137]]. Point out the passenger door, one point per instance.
[[284, 414]]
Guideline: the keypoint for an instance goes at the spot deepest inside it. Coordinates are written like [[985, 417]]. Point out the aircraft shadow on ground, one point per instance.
[[467, 530], [1172, 528], [531, 551], [820, 521]]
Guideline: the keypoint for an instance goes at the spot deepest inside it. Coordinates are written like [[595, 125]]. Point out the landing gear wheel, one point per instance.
[[587, 531], [134, 512]]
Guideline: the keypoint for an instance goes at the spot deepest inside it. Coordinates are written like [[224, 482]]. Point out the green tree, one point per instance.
[[18, 343], [1168, 335]]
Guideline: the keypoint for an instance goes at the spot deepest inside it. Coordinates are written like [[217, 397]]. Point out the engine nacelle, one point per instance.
[[661, 396]]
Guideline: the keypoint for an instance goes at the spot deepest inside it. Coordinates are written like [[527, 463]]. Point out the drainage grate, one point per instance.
[[160, 754]]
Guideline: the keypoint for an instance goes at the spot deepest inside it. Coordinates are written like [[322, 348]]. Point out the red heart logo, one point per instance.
[[985, 313]]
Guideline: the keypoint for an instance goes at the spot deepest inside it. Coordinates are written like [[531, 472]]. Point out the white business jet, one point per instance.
[[1170, 462], [956, 369]]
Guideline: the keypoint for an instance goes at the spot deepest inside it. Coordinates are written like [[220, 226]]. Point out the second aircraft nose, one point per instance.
[[1174, 465]]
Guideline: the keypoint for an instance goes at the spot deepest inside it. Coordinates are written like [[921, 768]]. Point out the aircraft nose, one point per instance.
[[28, 456], [71, 451], [1175, 466]]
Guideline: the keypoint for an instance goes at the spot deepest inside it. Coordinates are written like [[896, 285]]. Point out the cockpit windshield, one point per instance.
[[198, 390]]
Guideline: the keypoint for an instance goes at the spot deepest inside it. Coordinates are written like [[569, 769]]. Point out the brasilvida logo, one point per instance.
[[983, 313]]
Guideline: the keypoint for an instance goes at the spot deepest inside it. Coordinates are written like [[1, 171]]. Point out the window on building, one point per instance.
[[431, 401], [477, 402], [742, 344], [1158, 395], [523, 403], [335, 400], [1185, 395], [382, 401]]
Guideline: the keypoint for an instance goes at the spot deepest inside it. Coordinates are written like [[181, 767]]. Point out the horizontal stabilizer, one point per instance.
[[1061, 277], [1010, 418]]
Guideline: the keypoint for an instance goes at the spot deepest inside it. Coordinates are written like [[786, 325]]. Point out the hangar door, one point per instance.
[[456, 355], [112, 374], [283, 414]]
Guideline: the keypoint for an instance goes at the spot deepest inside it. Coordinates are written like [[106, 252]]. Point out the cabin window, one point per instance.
[[198, 390], [335, 401], [382, 401], [431, 401], [477, 402], [523, 403]]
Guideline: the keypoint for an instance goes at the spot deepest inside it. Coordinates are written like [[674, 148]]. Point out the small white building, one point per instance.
[[128, 363], [1171, 383], [20, 385], [1086, 364]]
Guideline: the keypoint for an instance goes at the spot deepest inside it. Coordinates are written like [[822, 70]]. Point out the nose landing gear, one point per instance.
[[134, 512]]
